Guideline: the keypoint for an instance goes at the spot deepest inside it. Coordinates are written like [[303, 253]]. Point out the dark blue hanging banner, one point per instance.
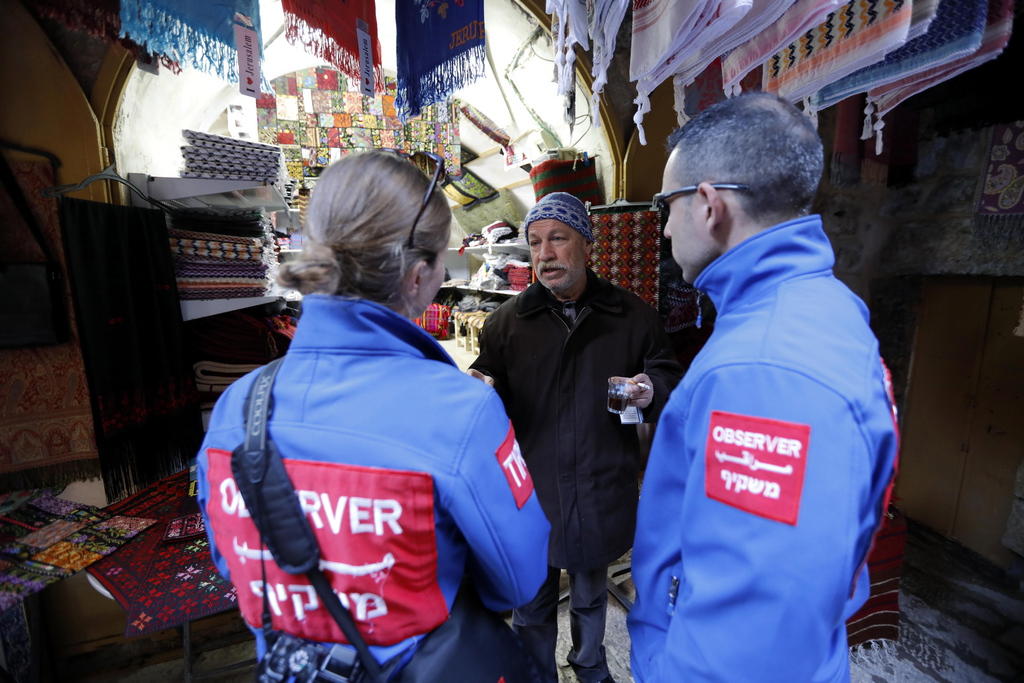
[[440, 49]]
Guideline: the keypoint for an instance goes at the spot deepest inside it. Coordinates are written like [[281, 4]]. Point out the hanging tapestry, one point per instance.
[[44, 539], [46, 424], [331, 31], [707, 90], [440, 50], [762, 14], [879, 617], [626, 250], [956, 32], [666, 33], [166, 576], [194, 33], [129, 317], [16, 644], [801, 17], [578, 177], [858, 34], [1001, 193], [483, 124], [605, 19], [998, 27], [318, 116]]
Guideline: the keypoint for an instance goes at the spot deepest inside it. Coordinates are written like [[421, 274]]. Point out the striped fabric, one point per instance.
[[575, 176], [859, 34], [798, 19], [879, 618]]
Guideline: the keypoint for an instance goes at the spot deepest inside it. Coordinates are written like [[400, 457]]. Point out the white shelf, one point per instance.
[[467, 288], [201, 308], [211, 193]]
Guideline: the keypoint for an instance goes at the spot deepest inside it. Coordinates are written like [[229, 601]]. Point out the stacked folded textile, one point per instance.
[[219, 257], [213, 378], [216, 156]]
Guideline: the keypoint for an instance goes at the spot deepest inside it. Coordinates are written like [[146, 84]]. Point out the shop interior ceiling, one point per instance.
[[155, 107]]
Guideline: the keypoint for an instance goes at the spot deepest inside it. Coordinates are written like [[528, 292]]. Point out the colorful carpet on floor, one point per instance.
[[162, 583], [44, 539], [1001, 194]]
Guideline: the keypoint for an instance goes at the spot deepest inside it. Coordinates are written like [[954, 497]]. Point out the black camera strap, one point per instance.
[[270, 498]]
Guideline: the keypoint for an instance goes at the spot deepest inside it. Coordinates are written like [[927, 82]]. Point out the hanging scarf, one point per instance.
[[762, 13], [196, 33], [859, 34], [801, 17], [440, 49], [677, 30], [998, 27], [484, 125], [569, 24], [604, 30], [956, 32], [329, 30], [126, 303]]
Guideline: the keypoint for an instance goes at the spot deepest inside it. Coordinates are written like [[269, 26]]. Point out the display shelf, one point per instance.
[[201, 308], [467, 288], [211, 193], [491, 248]]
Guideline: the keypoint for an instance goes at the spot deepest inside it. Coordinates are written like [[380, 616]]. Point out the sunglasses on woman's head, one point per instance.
[[428, 163]]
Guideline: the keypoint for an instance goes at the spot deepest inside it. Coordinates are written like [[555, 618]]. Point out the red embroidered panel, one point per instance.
[[376, 532], [756, 464], [514, 466]]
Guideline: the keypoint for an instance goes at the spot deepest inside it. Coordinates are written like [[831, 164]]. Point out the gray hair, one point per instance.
[[759, 140], [357, 226]]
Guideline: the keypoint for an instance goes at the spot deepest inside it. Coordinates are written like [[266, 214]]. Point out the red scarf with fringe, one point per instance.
[[327, 29]]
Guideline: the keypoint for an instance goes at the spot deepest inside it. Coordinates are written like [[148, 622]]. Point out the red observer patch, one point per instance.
[[375, 528], [756, 464], [514, 467]]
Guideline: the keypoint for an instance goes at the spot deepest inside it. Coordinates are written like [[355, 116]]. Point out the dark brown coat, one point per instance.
[[553, 379]]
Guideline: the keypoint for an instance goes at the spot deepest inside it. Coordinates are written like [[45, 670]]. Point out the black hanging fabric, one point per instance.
[[142, 388]]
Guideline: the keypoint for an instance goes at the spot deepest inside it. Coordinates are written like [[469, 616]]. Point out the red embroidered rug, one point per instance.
[[164, 583], [879, 618], [627, 248]]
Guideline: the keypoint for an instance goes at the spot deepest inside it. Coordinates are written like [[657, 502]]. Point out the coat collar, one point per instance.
[[758, 265], [341, 323], [598, 294]]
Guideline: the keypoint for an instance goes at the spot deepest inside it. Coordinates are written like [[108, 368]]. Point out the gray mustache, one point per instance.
[[553, 266]]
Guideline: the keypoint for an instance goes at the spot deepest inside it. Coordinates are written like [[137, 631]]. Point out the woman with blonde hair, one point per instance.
[[406, 469]]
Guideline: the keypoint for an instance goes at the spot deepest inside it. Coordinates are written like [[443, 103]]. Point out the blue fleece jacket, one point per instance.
[[767, 476]]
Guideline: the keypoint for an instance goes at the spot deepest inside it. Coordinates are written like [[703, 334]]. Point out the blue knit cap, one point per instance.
[[562, 207]]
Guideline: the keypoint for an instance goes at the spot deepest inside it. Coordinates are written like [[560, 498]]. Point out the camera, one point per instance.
[[296, 659]]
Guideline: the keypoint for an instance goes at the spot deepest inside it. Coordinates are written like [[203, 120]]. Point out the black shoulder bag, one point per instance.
[[473, 644], [32, 308]]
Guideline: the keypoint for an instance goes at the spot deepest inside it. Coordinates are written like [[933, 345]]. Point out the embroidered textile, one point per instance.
[[1001, 195], [879, 617], [467, 188], [46, 427], [196, 33], [162, 584], [440, 50], [707, 90], [762, 14], [44, 539], [955, 32], [144, 399], [16, 643], [575, 176], [483, 124], [311, 140], [998, 27], [329, 30], [798, 19], [923, 13], [626, 251], [858, 34]]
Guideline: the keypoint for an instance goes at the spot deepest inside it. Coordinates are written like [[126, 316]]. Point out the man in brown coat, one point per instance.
[[549, 353]]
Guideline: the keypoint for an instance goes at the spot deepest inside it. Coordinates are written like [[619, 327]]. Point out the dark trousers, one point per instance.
[[537, 625]]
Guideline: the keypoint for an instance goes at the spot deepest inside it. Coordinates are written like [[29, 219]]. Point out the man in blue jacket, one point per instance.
[[774, 456]]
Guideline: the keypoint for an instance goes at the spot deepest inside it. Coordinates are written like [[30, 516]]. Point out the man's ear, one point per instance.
[[714, 212]]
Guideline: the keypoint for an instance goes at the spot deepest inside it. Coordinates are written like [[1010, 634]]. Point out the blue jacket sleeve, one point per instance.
[[493, 504], [726, 594]]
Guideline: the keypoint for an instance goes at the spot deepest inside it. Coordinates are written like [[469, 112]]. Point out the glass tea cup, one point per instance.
[[620, 391]]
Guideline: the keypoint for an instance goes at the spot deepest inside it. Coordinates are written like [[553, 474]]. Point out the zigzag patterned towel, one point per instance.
[[998, 27], [798, 19], [955, 32], [859, 34]]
